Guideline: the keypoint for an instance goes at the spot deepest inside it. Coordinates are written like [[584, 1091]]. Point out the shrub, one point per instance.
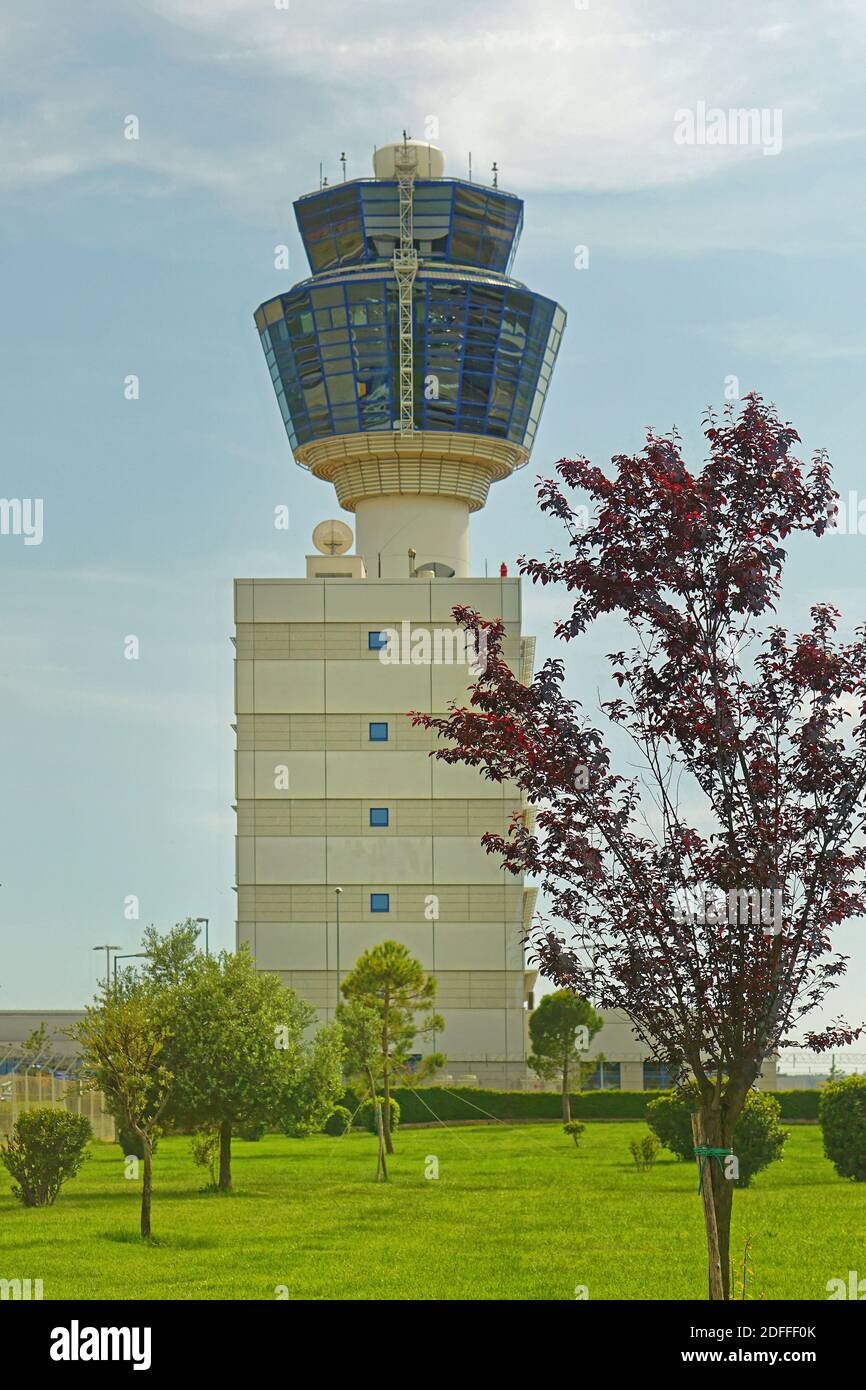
[[644, 1151], [339, 1122], [46, 1147], [463, 1103], [575, 1129], [798, 1105], [758, 1139], [367, 1115], [205, 1147], [843, 1122], [251, 1133], [670, 1119]]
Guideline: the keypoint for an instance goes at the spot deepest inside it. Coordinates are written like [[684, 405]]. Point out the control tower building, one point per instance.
[[410, 371]]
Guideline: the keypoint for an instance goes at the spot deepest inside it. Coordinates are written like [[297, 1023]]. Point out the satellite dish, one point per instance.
[[332, 537]]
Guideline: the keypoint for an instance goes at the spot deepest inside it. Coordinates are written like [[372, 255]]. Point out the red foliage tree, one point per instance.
[[714, 940]]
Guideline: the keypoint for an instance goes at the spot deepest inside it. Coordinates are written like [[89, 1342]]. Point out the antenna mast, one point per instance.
[[405, 270]]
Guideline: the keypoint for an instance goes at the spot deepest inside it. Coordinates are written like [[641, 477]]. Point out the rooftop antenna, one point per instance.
[[343, 162], [405, 265], [495, 168], [320, 174], [470, 166]]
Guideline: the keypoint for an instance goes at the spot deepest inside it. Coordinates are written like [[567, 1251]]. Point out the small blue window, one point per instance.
[[380, 902], [378, 815], [378, 733], [376, 641]]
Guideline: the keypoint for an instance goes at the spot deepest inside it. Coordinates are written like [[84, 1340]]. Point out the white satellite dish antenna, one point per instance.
[[332, 537]]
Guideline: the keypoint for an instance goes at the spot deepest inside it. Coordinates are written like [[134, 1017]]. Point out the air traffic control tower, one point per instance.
[[410, 370]]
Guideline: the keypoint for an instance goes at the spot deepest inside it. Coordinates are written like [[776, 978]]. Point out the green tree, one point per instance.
[[240, 1055], [560, 1029], [170, 957], [393, 984], [123, 1038], [362, 1040]]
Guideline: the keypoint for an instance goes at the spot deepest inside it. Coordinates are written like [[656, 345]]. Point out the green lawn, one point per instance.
[[516, 1213]]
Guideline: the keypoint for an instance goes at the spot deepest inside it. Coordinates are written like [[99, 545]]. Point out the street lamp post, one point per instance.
[[206, 922], [127, 955], [338, 894], [107, 949]]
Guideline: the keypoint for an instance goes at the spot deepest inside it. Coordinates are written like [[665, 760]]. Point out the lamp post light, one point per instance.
[[127, 955], [338, 894], [206, 922], [106, 949]]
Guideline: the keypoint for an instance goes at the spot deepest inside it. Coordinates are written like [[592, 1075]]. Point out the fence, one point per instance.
[[27, 1088]]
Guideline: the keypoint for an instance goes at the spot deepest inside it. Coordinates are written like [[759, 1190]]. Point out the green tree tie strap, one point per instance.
[[704, 1152]]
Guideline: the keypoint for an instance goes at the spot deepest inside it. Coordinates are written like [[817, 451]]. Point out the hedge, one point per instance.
[[799, 1105], [465, 1102]]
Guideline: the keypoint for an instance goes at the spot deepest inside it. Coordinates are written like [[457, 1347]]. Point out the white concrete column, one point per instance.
[[387, 527]]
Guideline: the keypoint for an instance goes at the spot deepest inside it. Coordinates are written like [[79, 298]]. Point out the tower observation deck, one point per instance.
[[410, 368]]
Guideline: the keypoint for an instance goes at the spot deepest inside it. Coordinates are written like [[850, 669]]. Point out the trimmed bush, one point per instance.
[[670, 1119], [758, 1139], [367, 1115], [472, 1103], [799, 1105], [46, 1148], [339, 1122], [644, 1152], [843, 1122], [575, 1129]]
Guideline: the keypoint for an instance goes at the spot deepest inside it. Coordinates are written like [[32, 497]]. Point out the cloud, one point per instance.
[[563, 98], [769, 339], [55, 689]]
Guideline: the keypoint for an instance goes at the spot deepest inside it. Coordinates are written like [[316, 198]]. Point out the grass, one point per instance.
[[516, 1213]]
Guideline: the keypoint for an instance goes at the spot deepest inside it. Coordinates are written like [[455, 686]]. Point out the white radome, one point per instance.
[[431, 160]]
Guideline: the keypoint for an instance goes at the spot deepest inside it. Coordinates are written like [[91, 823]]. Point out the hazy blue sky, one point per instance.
[[149, 256]]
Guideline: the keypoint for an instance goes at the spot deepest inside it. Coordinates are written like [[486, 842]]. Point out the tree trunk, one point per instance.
[[225, 1156], [389, 1146], [717, 1193], [382, 1164], [386, 1086], [146, 1185], [566, 1098]]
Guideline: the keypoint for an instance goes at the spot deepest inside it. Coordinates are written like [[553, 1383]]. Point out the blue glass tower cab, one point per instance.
[[484, 345], [410, 361]]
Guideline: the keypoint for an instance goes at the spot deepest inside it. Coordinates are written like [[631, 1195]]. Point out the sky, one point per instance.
[[688, 270]]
